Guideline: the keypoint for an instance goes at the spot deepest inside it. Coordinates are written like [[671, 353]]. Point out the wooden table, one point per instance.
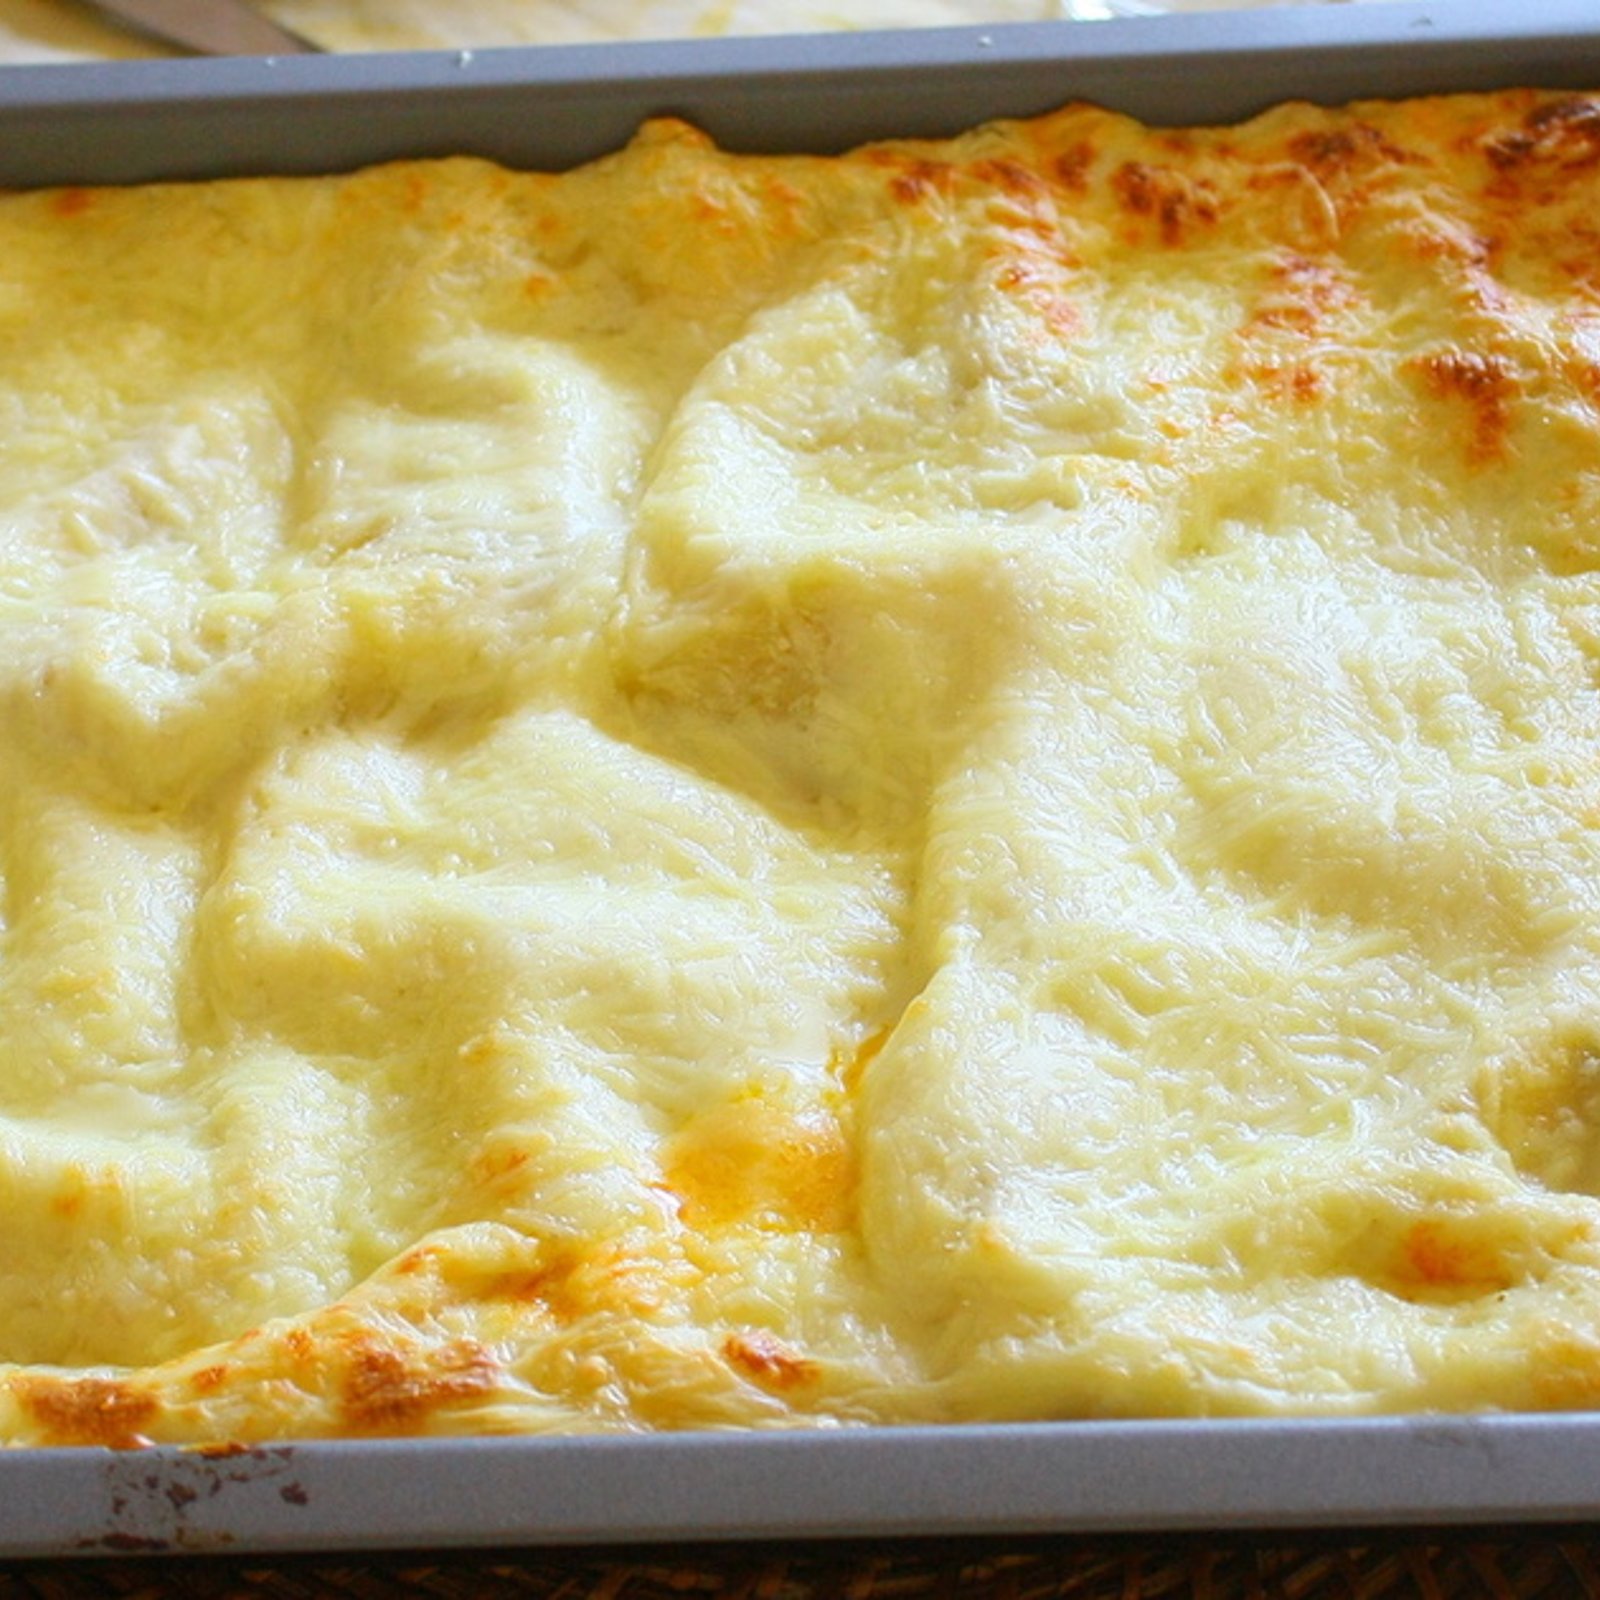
[[1528, 1563]]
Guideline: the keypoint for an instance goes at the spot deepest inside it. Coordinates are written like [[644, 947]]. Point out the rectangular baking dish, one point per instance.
[[552, 108]]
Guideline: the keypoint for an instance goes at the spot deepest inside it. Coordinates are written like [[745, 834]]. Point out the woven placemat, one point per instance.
[[1501, 1564]]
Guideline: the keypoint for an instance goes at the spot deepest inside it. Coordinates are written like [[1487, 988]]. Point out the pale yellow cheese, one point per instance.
[[957, 783]]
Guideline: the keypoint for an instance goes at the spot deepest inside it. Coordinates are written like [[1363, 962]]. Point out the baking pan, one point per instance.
[[133, 121], [551, 108], [1030, 1479]]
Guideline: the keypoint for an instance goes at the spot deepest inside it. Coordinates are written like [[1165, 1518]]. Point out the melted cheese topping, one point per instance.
[[960, 782]]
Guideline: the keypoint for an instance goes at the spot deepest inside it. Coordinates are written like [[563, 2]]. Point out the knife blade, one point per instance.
[[209, 27]]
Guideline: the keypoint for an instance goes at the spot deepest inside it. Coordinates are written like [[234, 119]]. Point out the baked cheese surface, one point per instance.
[[959, 782]]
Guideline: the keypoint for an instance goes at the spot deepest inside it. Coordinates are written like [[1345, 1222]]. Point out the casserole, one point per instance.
[[906, 1446]]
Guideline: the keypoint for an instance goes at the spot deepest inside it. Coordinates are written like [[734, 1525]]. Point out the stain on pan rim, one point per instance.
[[190, 1501]]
